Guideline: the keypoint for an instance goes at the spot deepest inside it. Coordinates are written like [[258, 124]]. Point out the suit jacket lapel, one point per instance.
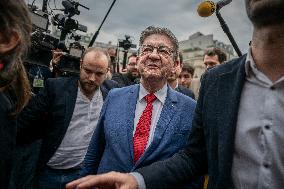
[[104, 91], [229, 90], [70, 100], [169, 108], [131, 106]]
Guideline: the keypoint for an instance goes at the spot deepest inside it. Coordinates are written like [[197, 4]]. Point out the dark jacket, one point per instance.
[[211, 142], [124, 80], [7, 139], [185, 91], [54, 105]]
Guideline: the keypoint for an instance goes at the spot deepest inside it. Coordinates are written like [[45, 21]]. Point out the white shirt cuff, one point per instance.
[[140, 180]]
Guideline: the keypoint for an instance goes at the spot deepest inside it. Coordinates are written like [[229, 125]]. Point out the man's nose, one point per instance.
[[154, 54], [92, 77]]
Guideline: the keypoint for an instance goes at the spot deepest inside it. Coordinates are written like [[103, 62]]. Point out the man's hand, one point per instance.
[[56, 55], [112, 180]]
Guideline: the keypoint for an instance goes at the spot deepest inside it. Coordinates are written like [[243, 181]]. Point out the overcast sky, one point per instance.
[[132, 16]]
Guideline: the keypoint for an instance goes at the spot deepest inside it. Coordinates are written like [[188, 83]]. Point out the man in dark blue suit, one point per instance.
[[71, 109], [237, 132], [116, 143]]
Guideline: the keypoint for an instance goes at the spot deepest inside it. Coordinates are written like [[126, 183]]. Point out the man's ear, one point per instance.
[[81, 63], [177, 63], [11, 43]]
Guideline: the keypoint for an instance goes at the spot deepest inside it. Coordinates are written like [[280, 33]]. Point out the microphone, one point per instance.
[[207, 8]]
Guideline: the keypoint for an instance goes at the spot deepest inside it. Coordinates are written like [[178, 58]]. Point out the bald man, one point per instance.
[[71, 107]]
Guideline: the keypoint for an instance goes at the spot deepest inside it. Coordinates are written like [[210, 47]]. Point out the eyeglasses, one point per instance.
[[161, 50]]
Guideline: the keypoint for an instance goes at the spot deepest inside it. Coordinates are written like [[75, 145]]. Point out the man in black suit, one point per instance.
[[71, 108], [237, 132], [131, 76]]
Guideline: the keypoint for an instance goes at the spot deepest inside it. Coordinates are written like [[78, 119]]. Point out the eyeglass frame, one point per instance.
[[171, 52]]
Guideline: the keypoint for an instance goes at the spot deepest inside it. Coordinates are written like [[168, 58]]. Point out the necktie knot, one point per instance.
[[150, 98]]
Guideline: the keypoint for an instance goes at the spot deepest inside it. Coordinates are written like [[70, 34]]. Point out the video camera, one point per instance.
[[126, 43], [42, 41], [70, 61], [65, 22]]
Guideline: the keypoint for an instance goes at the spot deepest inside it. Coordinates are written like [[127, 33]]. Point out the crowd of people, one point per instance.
[[144, 129]]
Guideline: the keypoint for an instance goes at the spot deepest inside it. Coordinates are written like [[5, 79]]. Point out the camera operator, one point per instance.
[[131, 76], [15, 28], [71, 106], [56, 55]]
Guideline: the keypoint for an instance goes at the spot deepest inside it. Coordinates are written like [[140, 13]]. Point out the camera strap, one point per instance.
[[38, 79]]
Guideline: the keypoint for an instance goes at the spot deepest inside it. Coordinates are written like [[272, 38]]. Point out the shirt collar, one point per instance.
[[176, 86], [253, 72], [160, 94], [84, 98]]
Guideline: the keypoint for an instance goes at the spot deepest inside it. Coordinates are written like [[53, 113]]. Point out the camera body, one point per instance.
[[126, 43]]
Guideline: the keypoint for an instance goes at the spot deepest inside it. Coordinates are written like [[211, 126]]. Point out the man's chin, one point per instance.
[[171, 78], [153, 77], [89, 88], [135, 75]]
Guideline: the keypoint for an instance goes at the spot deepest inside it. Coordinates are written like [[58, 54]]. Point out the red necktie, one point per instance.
[[141, 135]]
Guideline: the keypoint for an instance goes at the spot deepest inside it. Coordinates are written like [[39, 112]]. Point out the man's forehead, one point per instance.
[[94, 68], [211, 58], [90, 62], [132, 59], [184, 72], [158, 39]]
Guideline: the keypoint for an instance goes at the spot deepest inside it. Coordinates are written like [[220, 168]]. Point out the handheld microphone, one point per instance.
[[207, 8]]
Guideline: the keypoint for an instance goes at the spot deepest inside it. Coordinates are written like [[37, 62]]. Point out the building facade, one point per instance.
[[193, 49]]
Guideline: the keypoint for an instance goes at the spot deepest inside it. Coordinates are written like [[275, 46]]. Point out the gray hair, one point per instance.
[[162, 31]]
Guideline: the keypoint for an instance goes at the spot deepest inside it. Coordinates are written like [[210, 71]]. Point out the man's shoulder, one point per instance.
[[186, 91], [118, 76], [122, 79], [229, 66], [182, 98], [124, 90], [61, 80], [110, 84], [61, 84]]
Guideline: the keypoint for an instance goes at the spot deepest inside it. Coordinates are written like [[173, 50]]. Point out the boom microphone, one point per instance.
[[207, 8], [223, 3]]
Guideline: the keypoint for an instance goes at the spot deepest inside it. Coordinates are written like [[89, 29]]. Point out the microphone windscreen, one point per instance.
[[206, 8]]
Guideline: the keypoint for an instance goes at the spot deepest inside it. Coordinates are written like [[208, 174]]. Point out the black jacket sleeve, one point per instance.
[[31, 120]]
